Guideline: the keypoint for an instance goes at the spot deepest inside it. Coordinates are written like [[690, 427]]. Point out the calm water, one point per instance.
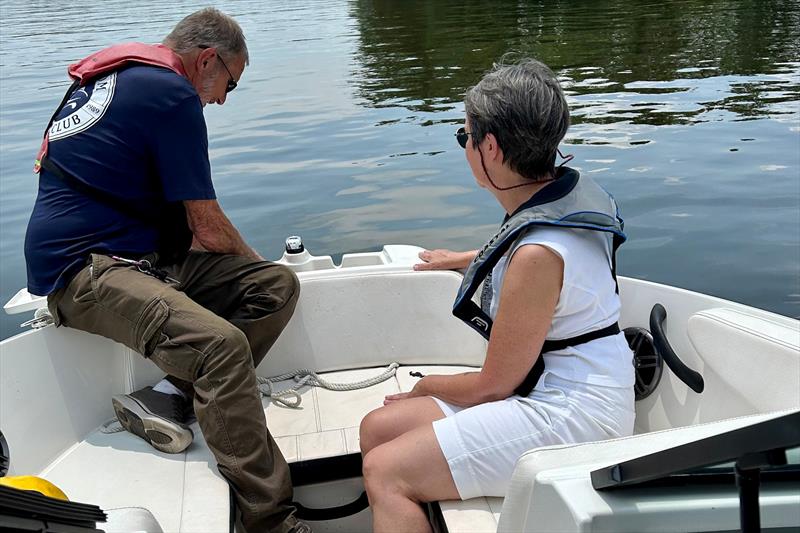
[[342, 128]]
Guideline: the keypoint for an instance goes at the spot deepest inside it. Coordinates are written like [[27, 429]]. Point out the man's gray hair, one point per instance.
[[210, 28], [524, 107]]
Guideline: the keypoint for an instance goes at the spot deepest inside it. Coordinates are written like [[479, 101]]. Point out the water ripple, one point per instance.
[[342, 127]]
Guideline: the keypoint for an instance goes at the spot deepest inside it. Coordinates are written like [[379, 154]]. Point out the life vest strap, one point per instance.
[[37, 165], [175, 236], [94, 193], [536, 372]]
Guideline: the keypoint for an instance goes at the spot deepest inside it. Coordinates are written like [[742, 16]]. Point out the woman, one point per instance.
[[557, 369]]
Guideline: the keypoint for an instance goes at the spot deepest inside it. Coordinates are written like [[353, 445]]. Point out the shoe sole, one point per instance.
[[162, 434]]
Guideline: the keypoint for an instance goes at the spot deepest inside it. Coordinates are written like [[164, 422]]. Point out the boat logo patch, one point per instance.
[[85, 107]]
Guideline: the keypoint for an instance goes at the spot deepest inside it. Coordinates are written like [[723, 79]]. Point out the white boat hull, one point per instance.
[[56, 385]]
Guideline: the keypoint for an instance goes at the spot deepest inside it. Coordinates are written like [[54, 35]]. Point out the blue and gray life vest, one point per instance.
[[571, 201]]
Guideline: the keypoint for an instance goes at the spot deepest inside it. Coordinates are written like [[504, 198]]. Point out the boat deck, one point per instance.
[[184, 492], [326, 425]]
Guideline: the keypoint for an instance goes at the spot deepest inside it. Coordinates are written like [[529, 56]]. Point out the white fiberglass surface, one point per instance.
[[726, 339], [55, 387], [57, 383]]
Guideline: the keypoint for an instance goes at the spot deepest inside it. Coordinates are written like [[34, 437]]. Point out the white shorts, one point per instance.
[[482, 443]]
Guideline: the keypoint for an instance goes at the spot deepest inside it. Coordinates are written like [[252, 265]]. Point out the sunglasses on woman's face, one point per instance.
[[461, 136]]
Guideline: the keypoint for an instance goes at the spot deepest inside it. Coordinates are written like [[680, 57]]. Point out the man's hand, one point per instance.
[[441, 259], [213, 231], [196, 245]]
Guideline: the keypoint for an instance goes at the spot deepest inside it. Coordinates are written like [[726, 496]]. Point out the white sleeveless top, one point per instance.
[[588, 302]]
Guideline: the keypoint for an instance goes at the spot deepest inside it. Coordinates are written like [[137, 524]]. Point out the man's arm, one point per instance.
[[213, 231]]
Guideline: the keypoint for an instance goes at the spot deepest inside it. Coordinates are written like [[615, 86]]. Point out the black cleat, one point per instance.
[[156, 417]]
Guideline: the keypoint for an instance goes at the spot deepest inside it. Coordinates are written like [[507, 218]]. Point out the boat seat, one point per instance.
[[769, 343], [544, 476]]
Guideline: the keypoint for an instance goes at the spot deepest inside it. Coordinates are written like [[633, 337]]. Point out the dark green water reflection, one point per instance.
[[342, 127], [423, 55]]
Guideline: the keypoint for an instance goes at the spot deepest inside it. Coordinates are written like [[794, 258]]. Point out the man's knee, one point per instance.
[[280, 283], [230, 354], [290, 290], [291, 280]]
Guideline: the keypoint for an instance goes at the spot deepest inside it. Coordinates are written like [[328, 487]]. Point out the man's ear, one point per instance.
[[205, 59]]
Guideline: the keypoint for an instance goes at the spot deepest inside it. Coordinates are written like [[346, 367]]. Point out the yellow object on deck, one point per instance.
[[34, 483]]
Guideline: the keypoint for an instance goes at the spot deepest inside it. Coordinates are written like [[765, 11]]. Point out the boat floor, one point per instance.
[[185, 493]]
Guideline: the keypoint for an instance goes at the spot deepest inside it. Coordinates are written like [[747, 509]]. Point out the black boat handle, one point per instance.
[[693, 379]]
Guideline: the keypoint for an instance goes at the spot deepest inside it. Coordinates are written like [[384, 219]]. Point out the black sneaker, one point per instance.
[[156, 417]]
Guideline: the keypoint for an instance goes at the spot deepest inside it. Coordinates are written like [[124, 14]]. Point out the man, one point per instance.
[[124, 190]]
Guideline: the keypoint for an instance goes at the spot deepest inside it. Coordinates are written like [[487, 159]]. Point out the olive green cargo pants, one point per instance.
[[208, 332]]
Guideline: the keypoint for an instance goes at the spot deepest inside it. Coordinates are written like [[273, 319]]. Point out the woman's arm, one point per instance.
[[528, 298], [442, 259]]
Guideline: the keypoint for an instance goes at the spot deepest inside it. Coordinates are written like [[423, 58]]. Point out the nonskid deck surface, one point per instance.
[[184, 491], [186, 494]]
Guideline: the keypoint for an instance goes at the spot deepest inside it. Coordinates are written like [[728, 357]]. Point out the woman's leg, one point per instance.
[[401, 474], [390, 421]]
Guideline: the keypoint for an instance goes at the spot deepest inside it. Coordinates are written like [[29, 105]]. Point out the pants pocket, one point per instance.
[[148, 329], [97, 265], [181, 344]]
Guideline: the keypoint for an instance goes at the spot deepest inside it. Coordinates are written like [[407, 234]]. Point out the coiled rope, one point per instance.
[[291, 397]]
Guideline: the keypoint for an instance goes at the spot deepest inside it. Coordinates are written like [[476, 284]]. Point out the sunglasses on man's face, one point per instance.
[[462, 135], [231, 82]]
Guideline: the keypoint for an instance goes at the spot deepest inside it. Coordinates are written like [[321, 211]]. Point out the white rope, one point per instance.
[[302, 377], [308, 377]]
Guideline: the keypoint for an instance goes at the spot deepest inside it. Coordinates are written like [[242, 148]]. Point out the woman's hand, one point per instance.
[[441, 259], [418, 390], [391, 398]]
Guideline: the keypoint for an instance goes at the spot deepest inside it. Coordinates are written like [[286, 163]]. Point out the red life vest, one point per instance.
[[108, 60]]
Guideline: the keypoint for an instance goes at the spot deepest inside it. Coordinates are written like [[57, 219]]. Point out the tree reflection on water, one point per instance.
[[423, 55]]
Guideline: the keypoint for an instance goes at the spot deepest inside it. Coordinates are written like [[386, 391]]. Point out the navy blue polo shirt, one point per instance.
[[137, 134]]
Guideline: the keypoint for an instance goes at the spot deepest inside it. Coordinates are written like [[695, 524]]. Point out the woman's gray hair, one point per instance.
[[524, 107], [210, 28]]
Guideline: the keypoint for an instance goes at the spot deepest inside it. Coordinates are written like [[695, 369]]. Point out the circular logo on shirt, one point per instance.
[[84, 108]]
